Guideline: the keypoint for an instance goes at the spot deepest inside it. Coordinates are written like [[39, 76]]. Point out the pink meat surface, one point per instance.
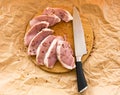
[[65, 55], [32, 48], [51, 55], [34, 30], [61, 13], [42, 49], [52, 19]]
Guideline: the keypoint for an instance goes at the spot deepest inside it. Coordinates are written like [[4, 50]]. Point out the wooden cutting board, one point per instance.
[[65, 29]]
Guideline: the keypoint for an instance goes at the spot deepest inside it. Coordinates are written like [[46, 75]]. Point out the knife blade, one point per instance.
[[80, 49]]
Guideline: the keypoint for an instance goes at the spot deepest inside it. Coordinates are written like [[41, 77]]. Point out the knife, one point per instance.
[[80, 49]]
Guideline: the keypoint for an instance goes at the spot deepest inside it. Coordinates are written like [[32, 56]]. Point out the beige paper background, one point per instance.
[[19, 76]]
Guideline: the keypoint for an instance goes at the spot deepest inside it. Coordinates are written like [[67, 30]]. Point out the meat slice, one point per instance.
[[65, 54], [34, 30], [51, 55], [61, 13], [37, 40], [42, 49], [52, 19]]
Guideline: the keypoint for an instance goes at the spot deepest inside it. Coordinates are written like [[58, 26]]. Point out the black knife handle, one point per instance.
[[81, 81]]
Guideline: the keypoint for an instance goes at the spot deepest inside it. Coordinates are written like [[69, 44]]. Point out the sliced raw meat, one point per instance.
[[42, 49], [51, 55], [52, 19], [65, 54], [37, 40], [34, 30], [61, 13]]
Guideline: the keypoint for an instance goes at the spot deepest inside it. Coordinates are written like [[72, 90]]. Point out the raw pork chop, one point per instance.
[[61, 13], [37, 40], [34, 30], [65, 54], [51, 55], [42, 49], [52, 19]]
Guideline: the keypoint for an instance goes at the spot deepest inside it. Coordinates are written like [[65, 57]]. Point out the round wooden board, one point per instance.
[[65, 29]]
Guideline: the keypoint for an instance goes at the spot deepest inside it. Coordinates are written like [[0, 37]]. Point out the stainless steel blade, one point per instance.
[[79, 39]]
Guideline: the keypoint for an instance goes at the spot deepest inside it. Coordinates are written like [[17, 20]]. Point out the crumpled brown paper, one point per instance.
[[18, 75]]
